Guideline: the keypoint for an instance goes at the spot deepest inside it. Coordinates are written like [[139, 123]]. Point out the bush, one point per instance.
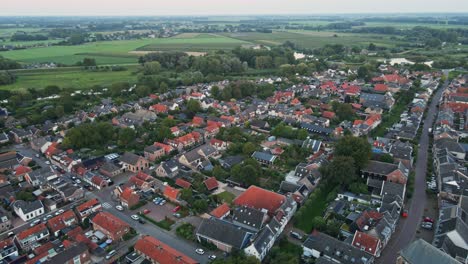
[[186, 231]]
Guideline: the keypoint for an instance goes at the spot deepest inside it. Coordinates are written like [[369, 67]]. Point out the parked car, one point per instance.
[[200, 251], [10, 234], [295, 235], [111, 254], [61, 211], [177, 215], [141, 221], [35, 222], [212, 257], [119, 207], [177, 208], [135, 217], [426, 225], [404, 214], [428, 220], [146, 211], [163, 202]]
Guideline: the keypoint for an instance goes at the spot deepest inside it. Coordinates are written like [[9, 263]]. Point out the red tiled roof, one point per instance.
[[129, 195], [30, 231], [57, 223], [220, 211], [369, 243], [20, 170], [356, 106], [211, 183], [328, 114], [88, 204], [166, 147], [380, 87], [109, 222], [6, 242], [183, 183], [161, 253], [97, 180], [259, 198], [211, 128], [171, 193], [160, 108], [197, 120]]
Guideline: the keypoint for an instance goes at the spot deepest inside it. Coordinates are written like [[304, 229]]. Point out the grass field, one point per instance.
[[118, 52], [70, 78], [313, 39]]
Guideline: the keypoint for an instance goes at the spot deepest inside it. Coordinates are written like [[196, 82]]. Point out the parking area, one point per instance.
[[158, 212]]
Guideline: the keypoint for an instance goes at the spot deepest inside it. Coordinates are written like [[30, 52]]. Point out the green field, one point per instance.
[[195, 42], [72, 78], [120, 52], [314, 39]]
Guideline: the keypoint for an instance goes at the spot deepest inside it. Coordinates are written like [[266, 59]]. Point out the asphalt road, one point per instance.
[[406, 230]]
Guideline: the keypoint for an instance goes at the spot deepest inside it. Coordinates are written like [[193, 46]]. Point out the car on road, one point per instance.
[[177, 208], [10, 234], [426, 225], [212, 257], [141, 221], [200, 251], [428, 220], [61, 211], [404, 214], [119, 207], [35, 222], [111, 254], [135, 217], [37, 155], [295, 235], [146, 211]]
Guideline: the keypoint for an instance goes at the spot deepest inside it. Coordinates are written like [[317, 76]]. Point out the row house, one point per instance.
[[152, 152], [186, 141], [88, 208], [134, 163], [30, 237], [110, 225], [57, 223]]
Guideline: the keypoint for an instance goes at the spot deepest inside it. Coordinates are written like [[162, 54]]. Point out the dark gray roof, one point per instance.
[[391, 188], [224, 232], [381, 168], [192, 155], [249, 217], [28, 207], [152, 148], [109, 167], [232, 160], [317, 129], [129, 158], [421, 252], [68, 254], [288, 187], [450, 144], [264, 156], [336, 249]]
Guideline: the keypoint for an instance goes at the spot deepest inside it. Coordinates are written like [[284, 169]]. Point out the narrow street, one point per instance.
[[406, 229]]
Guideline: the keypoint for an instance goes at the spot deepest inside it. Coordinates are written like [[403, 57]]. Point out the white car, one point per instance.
[[135, 217], [119, 207], [200, 251], [61, 211], [212, 257]]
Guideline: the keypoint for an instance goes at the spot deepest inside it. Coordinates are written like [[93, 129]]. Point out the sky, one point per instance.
[[222, 7]]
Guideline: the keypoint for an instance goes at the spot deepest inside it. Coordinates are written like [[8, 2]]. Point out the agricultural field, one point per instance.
[[69, 78], [195, 42], [314, 39], [122, 52], [402, 25]]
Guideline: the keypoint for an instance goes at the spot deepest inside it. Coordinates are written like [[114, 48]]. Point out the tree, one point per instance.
[[341, 171], [200, 205], [357, 148], [344, 112], [151, 68], [186, 194], [142, 90], [215, 92], [386, 158], [126, 136], [193, 107], [363, 73], [286, 70], [89, 62], [248, 148], [302, 68]]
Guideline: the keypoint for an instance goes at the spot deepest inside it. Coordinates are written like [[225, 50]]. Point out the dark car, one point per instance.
[[141, 221]]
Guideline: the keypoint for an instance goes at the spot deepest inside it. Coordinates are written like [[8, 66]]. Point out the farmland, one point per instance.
[[69, 78]]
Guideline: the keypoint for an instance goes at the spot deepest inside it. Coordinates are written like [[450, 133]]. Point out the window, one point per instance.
[[76, 260]]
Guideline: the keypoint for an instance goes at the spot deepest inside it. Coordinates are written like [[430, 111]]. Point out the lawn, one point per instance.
[[315, 206], [73, 78], [226, 197]]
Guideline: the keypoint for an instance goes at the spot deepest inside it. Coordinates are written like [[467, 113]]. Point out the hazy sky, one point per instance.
[[224, 7]]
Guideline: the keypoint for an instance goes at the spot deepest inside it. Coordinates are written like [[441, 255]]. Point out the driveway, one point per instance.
[[406, 229]]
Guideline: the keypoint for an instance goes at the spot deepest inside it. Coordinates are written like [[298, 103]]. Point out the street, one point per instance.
[[406, 229]]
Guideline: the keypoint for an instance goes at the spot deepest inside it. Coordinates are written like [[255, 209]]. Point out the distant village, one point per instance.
[[62, 204]]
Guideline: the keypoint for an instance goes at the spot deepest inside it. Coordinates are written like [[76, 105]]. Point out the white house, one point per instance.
[[28, 210]]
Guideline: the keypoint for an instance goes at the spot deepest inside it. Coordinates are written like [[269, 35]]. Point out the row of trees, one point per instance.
[[242, 89]]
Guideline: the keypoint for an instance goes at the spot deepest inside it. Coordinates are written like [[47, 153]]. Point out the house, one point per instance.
[[312, 144], [186, 141], [134, 163], [211, 183], [72, 254], [421, 252], [159, 108], [219, 145], [183, 183], [39, 177], [172, 194], [21, 135], [224, 235], [110, 225], [156, 251], [249, 218], [260, 199], [321, 245], [29, 238], [386, 171], [20, 171], [88, 208], [143, 181], [5, 222], [153, 152], [229, 161], [4, 138], [8, 160], [57, 223], [110, 170], [264, 157], [167, 148], [168, 169], [8, 250], [367, 243], [28, 210], [129, 198], [221, 211]]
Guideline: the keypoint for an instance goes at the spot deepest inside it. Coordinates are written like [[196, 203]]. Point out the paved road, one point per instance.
[[406, 230]]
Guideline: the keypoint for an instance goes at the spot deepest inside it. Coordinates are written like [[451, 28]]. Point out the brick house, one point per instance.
[[110, 225], [134, 163], [88, 208], [157, 252], [31, 236], [129, 198], [61, 221], [153, 152]]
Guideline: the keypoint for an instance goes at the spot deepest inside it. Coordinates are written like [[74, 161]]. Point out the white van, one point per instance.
[[111, 254]]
